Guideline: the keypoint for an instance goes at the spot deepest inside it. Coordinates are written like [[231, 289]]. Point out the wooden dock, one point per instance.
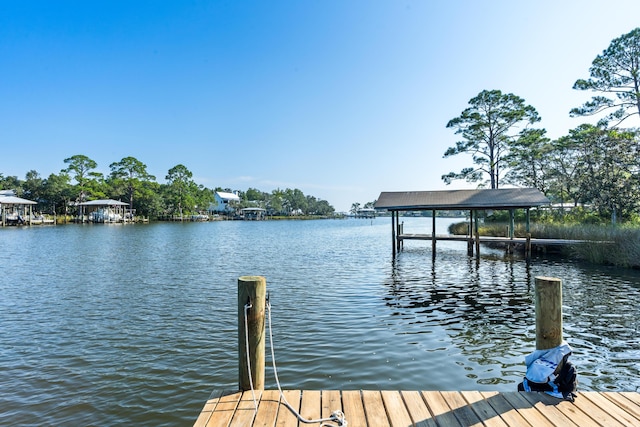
[[491, 239], [368, 408]]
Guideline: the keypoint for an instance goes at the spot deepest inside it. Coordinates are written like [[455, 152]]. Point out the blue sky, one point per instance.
[[342, 99]]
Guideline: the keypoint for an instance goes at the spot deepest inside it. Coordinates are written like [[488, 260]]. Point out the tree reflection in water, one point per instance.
[[486, 308]]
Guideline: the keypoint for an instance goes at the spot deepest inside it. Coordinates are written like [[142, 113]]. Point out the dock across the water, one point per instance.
[[490, 239], [369, 408]]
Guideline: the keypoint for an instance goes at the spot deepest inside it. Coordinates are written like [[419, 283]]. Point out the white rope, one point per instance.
[[336, 416], [247, 306]]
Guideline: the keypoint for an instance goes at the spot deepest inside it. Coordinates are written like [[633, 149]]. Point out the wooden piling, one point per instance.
[[470, 242], [251, 290], [548, 300], [433, 234], [477, 237], [512, 223], [393, 232], [512, 229], [527, 247]]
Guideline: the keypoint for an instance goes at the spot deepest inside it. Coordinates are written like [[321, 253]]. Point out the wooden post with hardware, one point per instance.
[[252, 290]]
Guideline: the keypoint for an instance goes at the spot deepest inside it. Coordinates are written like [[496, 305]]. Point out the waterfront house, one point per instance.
[[224, 202]]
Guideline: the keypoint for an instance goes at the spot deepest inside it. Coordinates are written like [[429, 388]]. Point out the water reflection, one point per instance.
[[137, 325], [486, 307], [483, 306]]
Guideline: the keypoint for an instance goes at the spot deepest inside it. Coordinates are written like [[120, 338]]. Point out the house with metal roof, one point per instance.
[[224, 202]]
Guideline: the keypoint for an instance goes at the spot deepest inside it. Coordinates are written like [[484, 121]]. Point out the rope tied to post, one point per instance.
[[337, 416]]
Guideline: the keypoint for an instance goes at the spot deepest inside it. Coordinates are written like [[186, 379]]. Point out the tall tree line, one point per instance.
[[130, 181], [594, 165]]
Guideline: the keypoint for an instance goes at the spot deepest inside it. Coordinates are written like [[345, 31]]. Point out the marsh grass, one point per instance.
[[602, 244], [622, 251]]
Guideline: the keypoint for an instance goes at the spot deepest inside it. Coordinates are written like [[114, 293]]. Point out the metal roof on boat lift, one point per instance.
[[13, 200], [503, 198], [104, 202]]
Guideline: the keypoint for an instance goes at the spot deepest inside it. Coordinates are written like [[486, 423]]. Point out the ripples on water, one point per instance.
[[136, 325]]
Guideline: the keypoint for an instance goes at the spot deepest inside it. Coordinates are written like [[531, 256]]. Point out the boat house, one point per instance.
[[104, 211], [253, 214], [365, 213], [464, 200], [15, 210]]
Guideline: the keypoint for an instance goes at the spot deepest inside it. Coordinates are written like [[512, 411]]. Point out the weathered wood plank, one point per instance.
[[418, 409], [622, 402], [610, 408], [396, 409], [524, 408], [508, 413], [268, 409], [461, 409], [286, 418], [480, 406], [311, 405], [208, 409], [225, 409], [374, 408], [331, 402], [594, 412], [246, 409], [634, 397], [425, 409], [353, 408], [439, 408], [570, 409]]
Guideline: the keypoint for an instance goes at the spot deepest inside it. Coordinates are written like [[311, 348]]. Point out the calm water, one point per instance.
[[136, 325]]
